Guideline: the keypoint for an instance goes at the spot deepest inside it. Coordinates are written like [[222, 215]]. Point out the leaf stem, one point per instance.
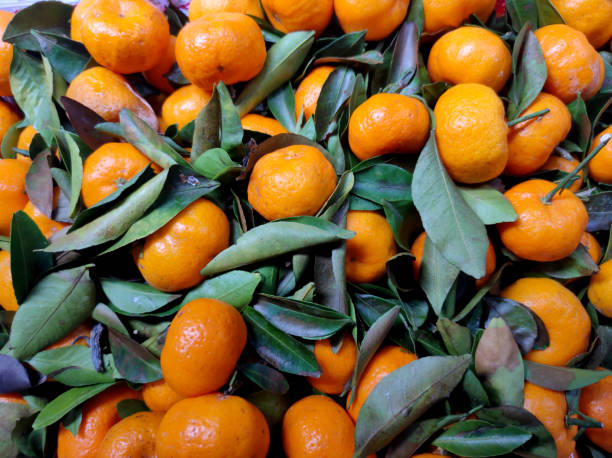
[[536, 114]]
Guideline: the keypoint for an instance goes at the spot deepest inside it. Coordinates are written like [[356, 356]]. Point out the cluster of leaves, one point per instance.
[[287, 277]]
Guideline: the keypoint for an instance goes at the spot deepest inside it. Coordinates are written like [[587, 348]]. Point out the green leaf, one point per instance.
[[489, 204], [207, 127], [562, 378], [547, 13], [236, 288], [437, 276], [581, 122], [599, 207], [416, 14], [457, 339], [104, 315], [66, 56], [383, 182], [39, 183], [51, 17], [135, 363], [10, 139], [10, 415], [129, 407], [76, 169], [265, 377], [282, 105], [334, 95], [135, 298], [216, 163], [55, 306], [72, 420], [522, 12], [84, 120], [578, 264], [403, 76], [401, 216]]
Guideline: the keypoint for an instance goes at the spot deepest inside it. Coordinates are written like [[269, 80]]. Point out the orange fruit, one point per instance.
[[550, 407], [490, 266], [379, 18], [99, 414], [289, 16], [591, 17], [560, 310], [108, 168], [262, 124], [46, 225], [12, 191], [531, 142], [368, 252], [107, 93], [336, 368], [25, 138], [388, 124], [79, 17], [171, 258], [471, 133], [156, 75], [82, 330], [12, 397], [386, 360], [159, 397], [8, 301], [125, 36], [198, 359], [543, 232], [213, 425], [573, 64], [134, 436], [184, 105], [565, 165], [600, 289], [198, 8], [444, 14], [315, 426], [6, 55], [470, 55], [308, 91], [592, 246], [291, 181], [226, 47], [7, 118], [596, 402], [600, 167]]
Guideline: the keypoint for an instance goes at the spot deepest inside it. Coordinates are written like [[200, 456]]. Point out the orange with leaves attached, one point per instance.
[[378, 18], [336, 368]]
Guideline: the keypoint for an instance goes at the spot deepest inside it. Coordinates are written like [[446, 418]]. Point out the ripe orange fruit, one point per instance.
[[591, 17], [560, 310], [471, 133], [8, 301], [198, 8], [531, 142], [600, 289], [125, 36], [388, 124], [543, 232], [262, 124], [198, 359], [12, 190], [12, 397], [573, 64], [600, 167], [7, 118], [107, 93], [226, 47], [108, 168], [550, 407], [184, 105], [307, 93], [291, 181], [213, 425], [6, 55], [596, 402], [288, 16], [99, 415], [470, 55], [156, 75], [159, 397], [440, 15], [134, 436], [25, 138], [46, 225], [82, 330], [592, 246], [385, 361], [490, 266], [379, 18], [172, 257], [368, 252], [565, 165], [316, 426], [336, 368]]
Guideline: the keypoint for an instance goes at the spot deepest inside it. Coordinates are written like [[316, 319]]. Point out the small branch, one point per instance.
[[536, 114]]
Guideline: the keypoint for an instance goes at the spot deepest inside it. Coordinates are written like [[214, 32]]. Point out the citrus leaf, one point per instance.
[[416, 14], [599, 207], [236, 288], [403, 77], [84, 120], [39, 183], [66, 56], [129, 407], [383, 182], [135, 298], [581, 123], [547, 13], [562, 378], [437, 276], [281, 104], [522, 12], [335, 93], [10, 140], [578, 264], [216, 163], [457, 339], [489, 204], [51, 17], [135, 363], [14, 376], [265, 377], [76, 168]]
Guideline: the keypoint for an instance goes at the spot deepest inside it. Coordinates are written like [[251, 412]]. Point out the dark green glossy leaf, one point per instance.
[[135, 363], [129, 407], [334, 95], [403, 77], [416, 14], [265, 377], [215, 164], [547, 13], [135, 298], [272, 405], [562, 378], [76, 168], [580, 122], [599, 207], [522, 12], [433, 91], [236, 288], [489, 204], [282, 105], [383, 182], [457, 338], [72, 420], [84, 120], [578, 264], [437, 276], [39, 183], [66, 56], [475, 391], [51, 17]]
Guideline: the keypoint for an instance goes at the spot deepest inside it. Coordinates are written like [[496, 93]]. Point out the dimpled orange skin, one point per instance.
[[543, 232], [172, 257], [531, 142], [262, 124], [600, 167], [107, 167], [99, 415], [7, 118], [292, 15], [213, 425], [600, 289], [6, 55], [125, 36], [291, 181], [596, 402], [82, 330], [368, 252], [8, 301], [198, 8], [198, 359], [490, 266], [471, 133], [444, 14], [379, 18], [46, 225], [159, 397], [573, 64], [79, 16], [388, 124], [591, 17], [107, 93], [470, 55], [308, 91], [155, 75], [25, 138], [565, 165], [336, 368], [12, 191], [592, 246], [550, 407], [226, 47], [385, 361], [134, 436], [184, 105], [560, 310]]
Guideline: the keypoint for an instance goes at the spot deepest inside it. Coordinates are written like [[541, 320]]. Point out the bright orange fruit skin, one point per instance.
[[336, 368], [596, 402], [262, 124], [565, 165], [159, 397], [309, 89], [600, 289], [591, 17], [7, 118], [444, 14], [12, 190], [198, 8], [46, 225], [134, 436], [379, 18], [292, 15], [6, 55], [155, 75], [184, 105], [8, 301], [600, 167], [592, 246]]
